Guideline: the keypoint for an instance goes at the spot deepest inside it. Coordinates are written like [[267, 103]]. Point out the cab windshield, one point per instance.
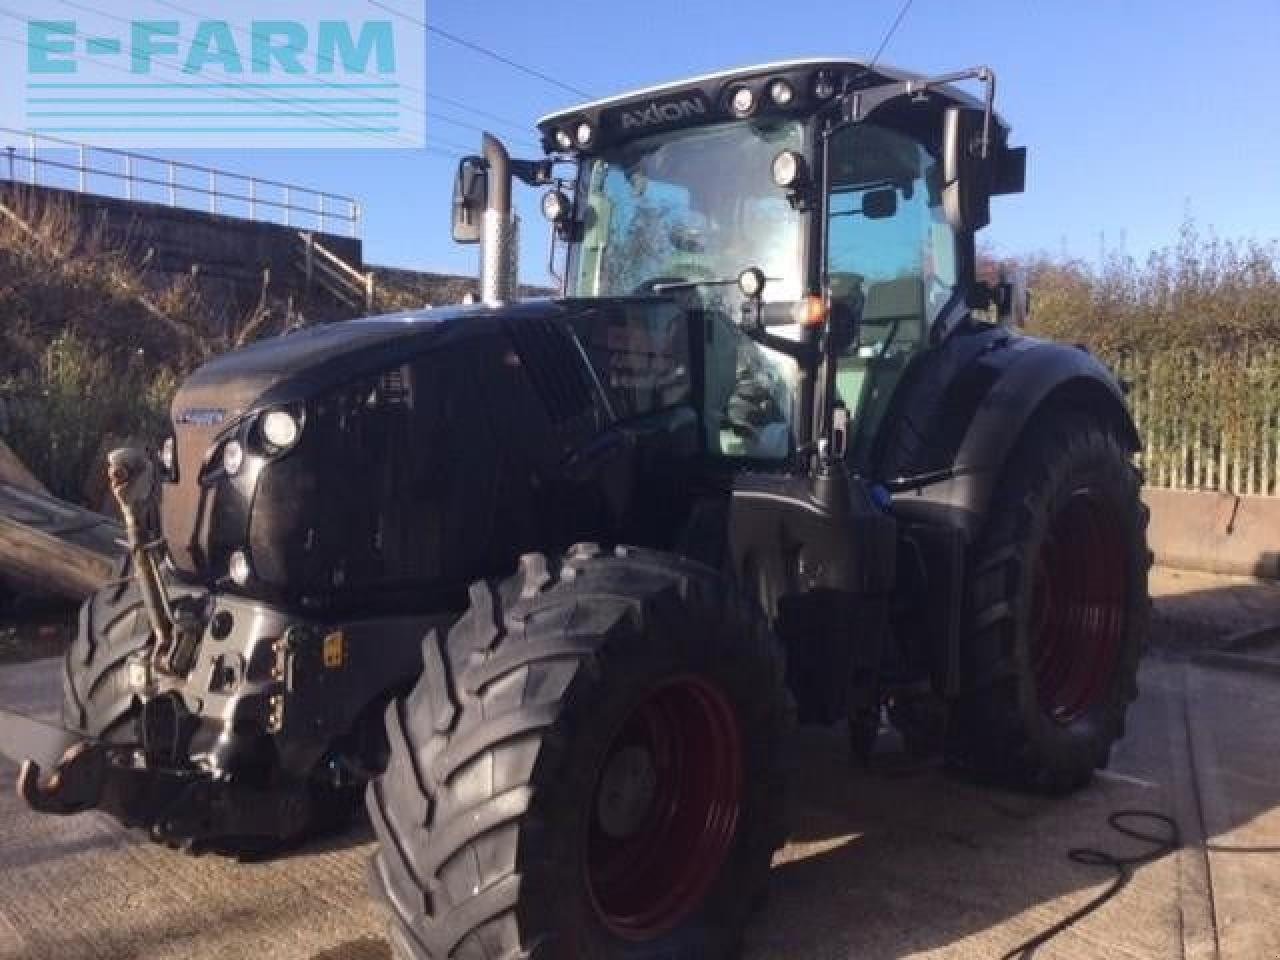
[[692, 209]]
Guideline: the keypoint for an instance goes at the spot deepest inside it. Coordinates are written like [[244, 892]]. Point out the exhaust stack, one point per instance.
[[499, 240]]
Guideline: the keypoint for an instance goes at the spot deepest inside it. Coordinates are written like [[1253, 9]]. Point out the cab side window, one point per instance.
[[891, 254]]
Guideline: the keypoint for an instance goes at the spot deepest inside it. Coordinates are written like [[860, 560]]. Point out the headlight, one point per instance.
[[280, 430], [168, 454], [555, 206], [781, 93], [584, 134], [788, 170], [743, 101], [232, 457]]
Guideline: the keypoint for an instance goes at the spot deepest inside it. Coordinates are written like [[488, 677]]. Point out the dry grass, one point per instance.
[[92, 344]]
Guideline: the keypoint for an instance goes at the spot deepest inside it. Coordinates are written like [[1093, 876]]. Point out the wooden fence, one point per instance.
[[1209, 421]]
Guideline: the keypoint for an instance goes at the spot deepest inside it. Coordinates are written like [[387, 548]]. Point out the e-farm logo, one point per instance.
[[236, 73]]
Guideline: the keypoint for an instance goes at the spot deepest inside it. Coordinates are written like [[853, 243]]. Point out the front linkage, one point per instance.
[[149, 781], [222, 736], [179, 804]]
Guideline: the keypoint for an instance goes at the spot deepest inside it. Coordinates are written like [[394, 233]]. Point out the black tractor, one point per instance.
[[551, 581]]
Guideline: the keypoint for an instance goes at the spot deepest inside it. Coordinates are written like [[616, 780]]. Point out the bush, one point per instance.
[[79, 401], [1194, 328], [1202, 292]]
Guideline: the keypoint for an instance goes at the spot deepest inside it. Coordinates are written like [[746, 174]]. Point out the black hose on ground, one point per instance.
[[1161, 845]]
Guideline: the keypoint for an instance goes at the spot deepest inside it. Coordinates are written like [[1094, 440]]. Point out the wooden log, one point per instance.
[[51, 546]]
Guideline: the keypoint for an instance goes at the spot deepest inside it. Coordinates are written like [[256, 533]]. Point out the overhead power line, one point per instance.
[[423, 96], [457, 104], [893, 28], [320, 60], [484, 51], [442, 118], [524, 128]]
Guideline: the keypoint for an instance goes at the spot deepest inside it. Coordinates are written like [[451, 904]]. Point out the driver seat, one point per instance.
[[892, 308]]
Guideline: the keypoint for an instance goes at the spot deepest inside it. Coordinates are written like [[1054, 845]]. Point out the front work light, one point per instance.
[[789, 171], [555, 206], [563, 140], [584, 134], [751, 282], [781, 93], [743, 101]]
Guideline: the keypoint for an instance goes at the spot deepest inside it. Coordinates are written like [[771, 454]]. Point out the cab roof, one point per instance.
[[706, 98]]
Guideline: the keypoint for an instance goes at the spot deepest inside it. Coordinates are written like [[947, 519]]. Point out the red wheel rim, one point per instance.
[[1079, 607], [665, 809]]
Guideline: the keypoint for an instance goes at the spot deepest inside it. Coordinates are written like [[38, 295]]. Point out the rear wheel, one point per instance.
[[590, 766], [1058, 610]]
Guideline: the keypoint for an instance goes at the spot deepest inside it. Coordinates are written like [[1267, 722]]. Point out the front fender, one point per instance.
[[1033, 376]]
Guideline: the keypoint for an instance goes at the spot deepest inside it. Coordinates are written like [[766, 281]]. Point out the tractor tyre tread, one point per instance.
[[996, 730], [481, 750]]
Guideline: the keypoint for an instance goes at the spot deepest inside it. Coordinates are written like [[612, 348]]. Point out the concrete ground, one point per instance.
[[1194, 609], [900, 861]]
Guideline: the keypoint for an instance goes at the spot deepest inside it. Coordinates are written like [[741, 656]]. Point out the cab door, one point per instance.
[[891, 255]]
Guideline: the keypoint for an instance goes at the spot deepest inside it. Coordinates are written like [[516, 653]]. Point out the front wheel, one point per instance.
[[1058, 610], [590, 766]]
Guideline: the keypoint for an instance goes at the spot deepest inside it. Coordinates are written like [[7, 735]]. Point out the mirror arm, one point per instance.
[[533, 173], [855, 107]]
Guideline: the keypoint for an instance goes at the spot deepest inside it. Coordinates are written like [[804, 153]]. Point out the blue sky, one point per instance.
[[1137, 113]]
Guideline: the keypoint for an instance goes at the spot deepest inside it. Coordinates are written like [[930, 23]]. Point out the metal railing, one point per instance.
[[343, 281], [40, 160]]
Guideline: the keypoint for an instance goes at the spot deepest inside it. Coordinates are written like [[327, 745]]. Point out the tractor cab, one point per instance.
[[815, 218]]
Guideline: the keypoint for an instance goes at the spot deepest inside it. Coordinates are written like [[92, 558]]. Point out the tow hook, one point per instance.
[[75, 784], [78, 764]]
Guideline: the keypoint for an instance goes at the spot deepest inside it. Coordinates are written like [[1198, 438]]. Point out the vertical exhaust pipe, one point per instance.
[[499, 236]]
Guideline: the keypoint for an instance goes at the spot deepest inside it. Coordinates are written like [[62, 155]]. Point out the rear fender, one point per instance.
[[1034, 377]]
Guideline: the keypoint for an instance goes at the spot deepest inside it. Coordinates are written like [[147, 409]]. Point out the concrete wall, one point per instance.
[[180, 238], [1215, 532]]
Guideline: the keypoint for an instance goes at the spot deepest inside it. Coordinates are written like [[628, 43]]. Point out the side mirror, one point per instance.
[[470, 194], [966, 188]]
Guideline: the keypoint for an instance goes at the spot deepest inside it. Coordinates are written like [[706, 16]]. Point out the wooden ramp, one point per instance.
[[48, 545]]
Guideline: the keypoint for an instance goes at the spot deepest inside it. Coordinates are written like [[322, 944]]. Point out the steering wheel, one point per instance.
[[751, 407]]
